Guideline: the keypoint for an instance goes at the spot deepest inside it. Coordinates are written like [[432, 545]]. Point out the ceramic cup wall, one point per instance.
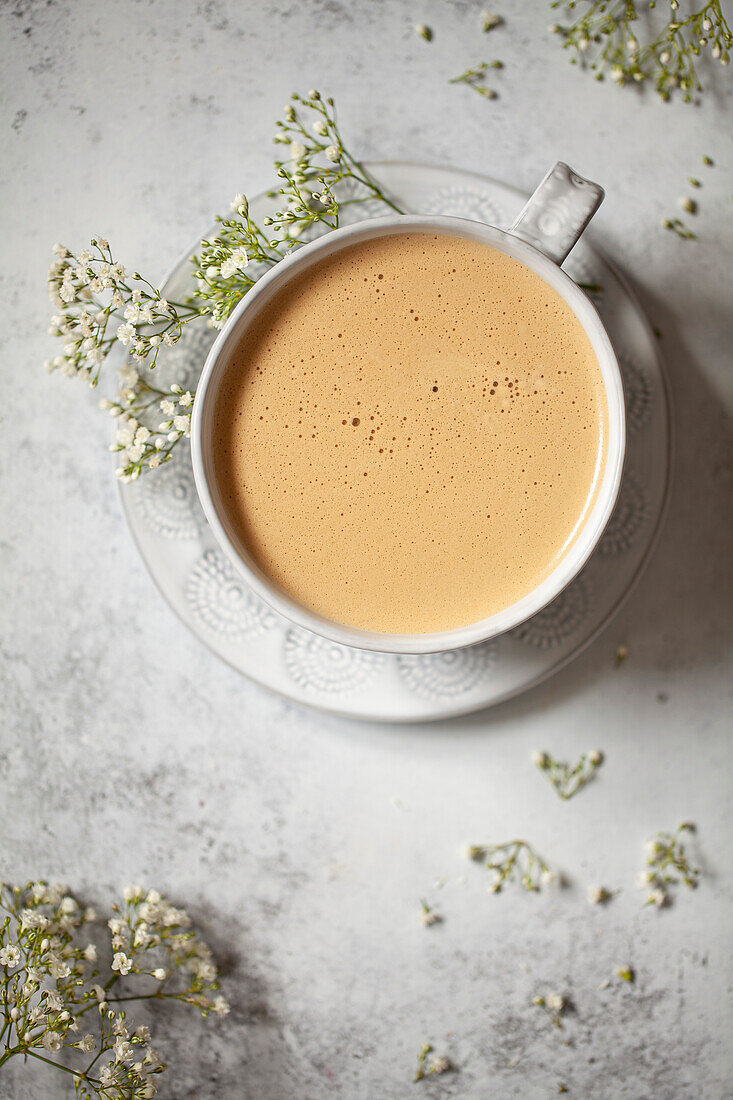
[[552, 220]]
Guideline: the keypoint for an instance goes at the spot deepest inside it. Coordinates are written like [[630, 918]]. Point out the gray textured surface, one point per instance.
[[127, 752]]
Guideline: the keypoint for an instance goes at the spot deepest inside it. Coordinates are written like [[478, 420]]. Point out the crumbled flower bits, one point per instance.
[[622, 652], [424, 32], [429, 1064], [427, 915], [490, 21], [474, 78], [667, 865], [567, 780], [626, 973], [606, 38], [50, 985], [678, 227], [553, 1004], [513, 861], [599, 895]]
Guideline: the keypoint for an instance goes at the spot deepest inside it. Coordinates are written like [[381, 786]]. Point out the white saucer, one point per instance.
[[169, 528]]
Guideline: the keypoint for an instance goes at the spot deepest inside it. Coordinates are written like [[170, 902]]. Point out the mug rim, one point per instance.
[[231, 334]]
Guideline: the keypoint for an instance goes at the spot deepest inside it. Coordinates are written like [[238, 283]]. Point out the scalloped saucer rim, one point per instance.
[[444, 709]]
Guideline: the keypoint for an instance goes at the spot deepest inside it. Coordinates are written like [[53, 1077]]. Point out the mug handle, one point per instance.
[[557, 213]]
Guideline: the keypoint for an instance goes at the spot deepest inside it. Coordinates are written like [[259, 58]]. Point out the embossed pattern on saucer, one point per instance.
[[169, 528]]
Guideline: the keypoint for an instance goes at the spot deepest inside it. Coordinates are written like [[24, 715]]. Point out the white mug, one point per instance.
[[541, 237]]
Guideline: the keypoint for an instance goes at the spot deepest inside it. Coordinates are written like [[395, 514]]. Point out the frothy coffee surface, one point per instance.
[[411, 433]]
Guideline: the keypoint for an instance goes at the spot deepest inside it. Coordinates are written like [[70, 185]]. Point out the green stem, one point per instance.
[[49, 1062], [96, 1057]]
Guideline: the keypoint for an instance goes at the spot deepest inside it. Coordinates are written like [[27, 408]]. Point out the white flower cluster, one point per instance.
[[567, 780], [597, 895], [516, 859], [602, 39], [313, 163], [667, 864], [99, 306], [554, 1004], [148, 932], [429, 1064], [139, 446], [47, 983]]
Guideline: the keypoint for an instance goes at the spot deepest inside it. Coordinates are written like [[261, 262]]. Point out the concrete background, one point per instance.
[[302, 843]]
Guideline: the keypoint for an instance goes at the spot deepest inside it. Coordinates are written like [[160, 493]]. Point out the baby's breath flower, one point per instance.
[[599, 894], [9, 955], [553, 1004], [473, 78], [428, 1067], [50, 1018], [567, 779], [51, 1041], [121, 963], [667, 865], [602, 39], [427, 915], [678, 227], [490, 21], [516, 859], [100, 305], [424, 31], [57, 967]]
